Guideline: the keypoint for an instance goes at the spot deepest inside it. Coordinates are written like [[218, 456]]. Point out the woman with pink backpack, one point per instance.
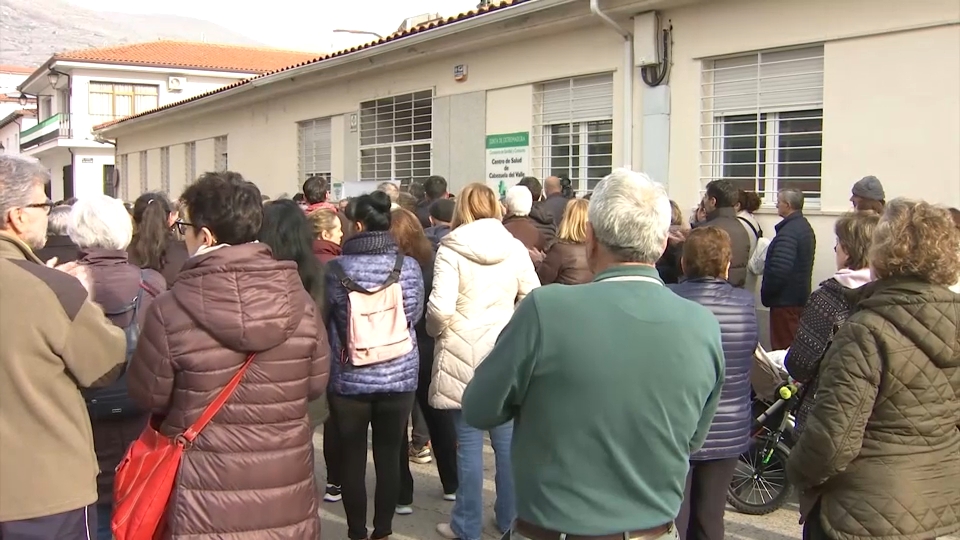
[[375, 296]]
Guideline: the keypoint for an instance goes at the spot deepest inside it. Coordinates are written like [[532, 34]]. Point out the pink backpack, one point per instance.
[[377, 329]]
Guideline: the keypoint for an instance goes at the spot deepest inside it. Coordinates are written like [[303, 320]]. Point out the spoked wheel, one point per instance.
[[760, 484]]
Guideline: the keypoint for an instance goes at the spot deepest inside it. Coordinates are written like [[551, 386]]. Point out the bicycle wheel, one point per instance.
[[760, 487]]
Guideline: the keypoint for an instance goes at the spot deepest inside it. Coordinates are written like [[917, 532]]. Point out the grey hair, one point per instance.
[[793, 198], [630, 216], [519, 201], [18, 175], [99, 221], [59, 221], [390, 189]]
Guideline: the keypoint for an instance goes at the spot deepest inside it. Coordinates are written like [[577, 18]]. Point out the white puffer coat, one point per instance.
[[481, 272]]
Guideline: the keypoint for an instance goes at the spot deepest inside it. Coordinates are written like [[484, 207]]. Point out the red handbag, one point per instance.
[[146, 476]]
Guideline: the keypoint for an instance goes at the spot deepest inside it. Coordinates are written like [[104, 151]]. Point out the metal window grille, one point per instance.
[[190, 160], [165, 169], [762, 121], [125, 177], [143, 173], [220, 158], [573, 129], [315, 147], [396, 136]]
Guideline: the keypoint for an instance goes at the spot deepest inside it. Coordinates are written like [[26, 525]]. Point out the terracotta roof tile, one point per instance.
[[19, 70], [192, 55], [392, 37]]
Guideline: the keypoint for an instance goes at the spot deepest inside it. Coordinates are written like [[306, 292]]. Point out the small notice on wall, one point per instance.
[[508, 159]]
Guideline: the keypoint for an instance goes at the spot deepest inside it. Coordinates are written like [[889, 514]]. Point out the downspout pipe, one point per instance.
[[628, 75]]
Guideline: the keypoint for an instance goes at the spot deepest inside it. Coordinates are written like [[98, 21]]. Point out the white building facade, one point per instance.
[[803, 94]]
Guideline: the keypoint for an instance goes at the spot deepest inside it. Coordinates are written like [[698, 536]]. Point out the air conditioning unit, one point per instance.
[[176, 84]]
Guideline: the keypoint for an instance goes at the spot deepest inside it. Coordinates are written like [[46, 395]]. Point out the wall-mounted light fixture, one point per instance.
[[53, 77], [23, 100]]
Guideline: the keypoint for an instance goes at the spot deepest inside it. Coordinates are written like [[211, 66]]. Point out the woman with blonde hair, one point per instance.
[[328, 233], [481, 272], [566, 261], [880, 456]]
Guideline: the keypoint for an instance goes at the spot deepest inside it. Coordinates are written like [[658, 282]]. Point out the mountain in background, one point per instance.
[[31, 31]]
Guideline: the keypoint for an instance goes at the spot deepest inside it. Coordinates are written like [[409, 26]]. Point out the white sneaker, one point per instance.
[[444, 530], [450, 497], [404, 510]]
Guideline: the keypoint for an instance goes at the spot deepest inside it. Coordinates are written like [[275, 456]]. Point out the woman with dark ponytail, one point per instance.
[[153, 245]]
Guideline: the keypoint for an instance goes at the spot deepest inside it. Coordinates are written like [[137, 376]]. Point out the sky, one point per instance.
[[293, 24]]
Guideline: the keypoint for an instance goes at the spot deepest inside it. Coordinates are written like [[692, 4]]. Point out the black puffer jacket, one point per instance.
[[789, 266], [734, 308]]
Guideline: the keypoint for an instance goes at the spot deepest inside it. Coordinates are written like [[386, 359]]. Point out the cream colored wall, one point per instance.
[[510, 110], [178, 170], [891, 94], [153, 170], [205, 158], [268, 129]]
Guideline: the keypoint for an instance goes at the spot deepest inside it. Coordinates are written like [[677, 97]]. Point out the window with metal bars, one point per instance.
[[315, 148], [190, 161], [395, 138], [220, 156], [165, 169], [573, 130], [144, 172], [762, 121], [125, 176]]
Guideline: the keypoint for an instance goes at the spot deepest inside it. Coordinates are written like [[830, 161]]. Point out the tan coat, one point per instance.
[[882, 448], [250, 473], [53, 341]]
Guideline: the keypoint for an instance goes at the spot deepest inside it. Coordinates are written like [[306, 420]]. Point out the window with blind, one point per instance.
[[573, 130], [190, 161], [144, 172], [395, 138], [762, 121], [110, 101], [220, 157], [314, 138], [165, 169]]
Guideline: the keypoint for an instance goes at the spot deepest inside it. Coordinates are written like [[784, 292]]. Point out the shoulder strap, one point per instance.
[[134, 305], [352, 285], [213, 408], [752, 228]]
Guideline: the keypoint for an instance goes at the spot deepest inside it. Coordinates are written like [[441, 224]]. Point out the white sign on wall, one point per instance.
[[508, 159]]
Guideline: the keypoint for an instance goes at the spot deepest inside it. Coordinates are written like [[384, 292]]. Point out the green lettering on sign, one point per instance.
[[508, 140]]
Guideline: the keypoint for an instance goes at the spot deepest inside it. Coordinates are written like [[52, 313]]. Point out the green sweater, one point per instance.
[[611, 385]]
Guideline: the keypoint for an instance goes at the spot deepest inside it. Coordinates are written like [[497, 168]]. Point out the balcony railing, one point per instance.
[[55, 127]]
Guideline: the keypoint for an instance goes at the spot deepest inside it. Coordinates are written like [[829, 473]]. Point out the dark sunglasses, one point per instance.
[[181, 226], [48, 206]]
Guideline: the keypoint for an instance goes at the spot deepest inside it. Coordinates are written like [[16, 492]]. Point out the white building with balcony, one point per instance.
[[81, 89]]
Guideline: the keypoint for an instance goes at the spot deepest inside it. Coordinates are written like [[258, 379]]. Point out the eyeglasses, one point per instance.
[[181, 226], [48, 206]]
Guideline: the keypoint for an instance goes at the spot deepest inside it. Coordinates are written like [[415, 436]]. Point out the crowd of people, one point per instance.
[[428, 319]]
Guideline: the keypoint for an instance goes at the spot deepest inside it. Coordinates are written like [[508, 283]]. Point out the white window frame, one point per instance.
[[585, 106], [139, 94], [784, 90], [221, 155], [383, 146], [315, 157]]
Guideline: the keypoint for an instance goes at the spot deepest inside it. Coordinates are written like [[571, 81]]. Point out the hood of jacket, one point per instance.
[[484, 241], [928, 315], [242, 296], [853, 279], [326, 247], [540, 214], [320, 206]]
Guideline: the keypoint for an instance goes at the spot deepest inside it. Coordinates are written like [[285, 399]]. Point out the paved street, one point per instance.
[[430, 509]]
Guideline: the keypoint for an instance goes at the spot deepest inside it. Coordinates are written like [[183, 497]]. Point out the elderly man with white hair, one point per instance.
[[102, 229], [634, 384], [518, 204], [55, 341]]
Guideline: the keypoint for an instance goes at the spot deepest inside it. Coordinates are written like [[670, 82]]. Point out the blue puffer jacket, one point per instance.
[[789, 266], [368, 259], [734, 308]]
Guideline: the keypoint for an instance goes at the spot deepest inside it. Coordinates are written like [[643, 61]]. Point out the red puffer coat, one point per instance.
[[250, 474]]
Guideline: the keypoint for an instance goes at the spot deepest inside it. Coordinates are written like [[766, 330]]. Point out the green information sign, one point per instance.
[[508, 140], [508, 159]]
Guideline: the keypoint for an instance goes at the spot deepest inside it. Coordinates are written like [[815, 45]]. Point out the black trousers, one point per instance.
[[80, 524], [705, 499], [387, 414], [812, 528], [331, 451]]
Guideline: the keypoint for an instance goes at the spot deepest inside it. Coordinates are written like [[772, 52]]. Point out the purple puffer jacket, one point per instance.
[[368, 259]]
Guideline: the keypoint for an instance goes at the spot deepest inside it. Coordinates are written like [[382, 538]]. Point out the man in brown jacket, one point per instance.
[[53, 341], [718, 201]]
